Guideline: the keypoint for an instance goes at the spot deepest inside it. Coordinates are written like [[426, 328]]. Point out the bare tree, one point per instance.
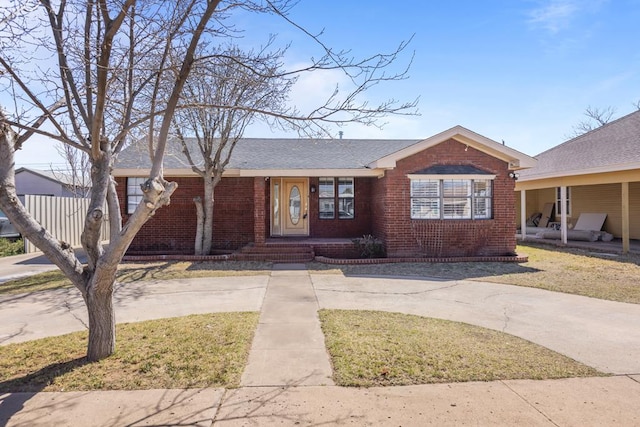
[[76, 174], [106, 57], [232, 88], [92, 74], [595, 118]]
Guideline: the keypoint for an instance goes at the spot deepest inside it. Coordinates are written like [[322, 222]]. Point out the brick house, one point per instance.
[[450, 195]]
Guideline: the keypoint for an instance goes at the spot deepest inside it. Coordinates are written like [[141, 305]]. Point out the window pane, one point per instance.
[[134, 193], [425, 188], [482, 208], [456, 188], [325, 187], [456, 208], [345, 208], [345, 187], [327, 208], [482, 188], [423, 208], [559, 203]]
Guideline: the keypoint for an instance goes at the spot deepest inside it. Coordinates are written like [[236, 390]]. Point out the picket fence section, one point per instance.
[[63, 217]]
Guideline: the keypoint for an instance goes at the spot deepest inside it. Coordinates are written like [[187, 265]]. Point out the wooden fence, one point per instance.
[[63, 217]]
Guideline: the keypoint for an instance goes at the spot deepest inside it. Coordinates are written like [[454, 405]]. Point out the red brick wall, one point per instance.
[[172, 229], [436, 238], [356, 227]]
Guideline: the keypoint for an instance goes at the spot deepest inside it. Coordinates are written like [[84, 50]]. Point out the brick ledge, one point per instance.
[[336, 261], [514, 258]]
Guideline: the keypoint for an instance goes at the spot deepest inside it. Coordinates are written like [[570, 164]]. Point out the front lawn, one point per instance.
[[196, 351], [373, 348]]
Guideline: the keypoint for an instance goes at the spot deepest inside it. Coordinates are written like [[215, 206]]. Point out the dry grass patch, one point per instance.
[[371, 348], [196, 351], [132, 272], [567, 270]]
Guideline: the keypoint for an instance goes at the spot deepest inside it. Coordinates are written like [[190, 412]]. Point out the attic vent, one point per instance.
[[514, 164]]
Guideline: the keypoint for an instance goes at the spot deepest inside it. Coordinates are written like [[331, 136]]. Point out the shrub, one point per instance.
[[369, 246], [10, 247]]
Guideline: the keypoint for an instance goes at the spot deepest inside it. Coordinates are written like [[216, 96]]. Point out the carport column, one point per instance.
[[523, 214], [625, 217], [563, 216], [259, 185]]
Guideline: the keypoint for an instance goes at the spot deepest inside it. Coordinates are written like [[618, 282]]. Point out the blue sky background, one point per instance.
[[519, 71]]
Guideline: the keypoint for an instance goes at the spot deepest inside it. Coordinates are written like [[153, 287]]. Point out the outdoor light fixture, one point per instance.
[[514, 176], [312, 188]]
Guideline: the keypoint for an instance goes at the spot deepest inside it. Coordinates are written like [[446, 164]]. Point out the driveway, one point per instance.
[[602, 334]]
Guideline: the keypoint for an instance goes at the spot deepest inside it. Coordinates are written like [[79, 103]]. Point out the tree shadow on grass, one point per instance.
[[431, 271], [15, 392]]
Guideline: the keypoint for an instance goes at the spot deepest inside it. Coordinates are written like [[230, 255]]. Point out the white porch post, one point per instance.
[[523, 214], [563, 215], [625, 217]]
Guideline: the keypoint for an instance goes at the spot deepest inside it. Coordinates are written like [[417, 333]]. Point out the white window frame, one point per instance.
[[468, 197], [559, 202], [134, 192]]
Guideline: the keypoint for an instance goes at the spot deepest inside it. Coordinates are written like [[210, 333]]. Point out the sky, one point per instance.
[[522, 72]]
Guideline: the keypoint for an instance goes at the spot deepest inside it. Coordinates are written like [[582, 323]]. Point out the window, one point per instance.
[[134, 193], [559, 202], [451, 198], [327, 198], [345, 198]]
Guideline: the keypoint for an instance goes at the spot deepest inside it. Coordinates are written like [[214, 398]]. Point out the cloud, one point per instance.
[[555, 15]]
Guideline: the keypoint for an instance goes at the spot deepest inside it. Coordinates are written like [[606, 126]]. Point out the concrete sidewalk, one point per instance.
[[287, 379], [288, 348], [570, 402]]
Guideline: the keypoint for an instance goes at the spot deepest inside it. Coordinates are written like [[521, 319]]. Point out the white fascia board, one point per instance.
[[310, 172], [516, 159], [453, 176], [249, 173], [578, 172]]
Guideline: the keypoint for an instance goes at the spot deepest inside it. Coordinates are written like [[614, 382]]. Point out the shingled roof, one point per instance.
[[305, 157], [278, 154], [612, 147]]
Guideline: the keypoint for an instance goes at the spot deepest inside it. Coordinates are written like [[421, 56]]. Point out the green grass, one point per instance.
[[371, 348], [196, 351], [567, 270], [10, 247], [129, 273]]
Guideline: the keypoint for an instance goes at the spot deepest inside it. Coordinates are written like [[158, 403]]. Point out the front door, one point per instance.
[[289, 212]]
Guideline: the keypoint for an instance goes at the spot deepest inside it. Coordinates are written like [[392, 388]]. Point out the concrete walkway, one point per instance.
[[288, 378], [288, 348]]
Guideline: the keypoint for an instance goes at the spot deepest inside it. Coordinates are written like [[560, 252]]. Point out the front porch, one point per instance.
[[613, 247], [297, 249]]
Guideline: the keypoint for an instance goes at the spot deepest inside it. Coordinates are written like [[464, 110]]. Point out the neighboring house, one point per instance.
[[48, 183], [597, 172], [450, 195]]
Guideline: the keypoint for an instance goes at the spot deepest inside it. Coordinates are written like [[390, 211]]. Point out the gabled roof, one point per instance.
[[516, 159], [58, 177], [613, 147], [313, 157]]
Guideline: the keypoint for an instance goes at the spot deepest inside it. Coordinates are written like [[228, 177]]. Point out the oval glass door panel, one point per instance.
[[294, 205]]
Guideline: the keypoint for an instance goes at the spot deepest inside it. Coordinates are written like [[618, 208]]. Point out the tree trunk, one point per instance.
[[102, 324], [208, 216], [199, 226]]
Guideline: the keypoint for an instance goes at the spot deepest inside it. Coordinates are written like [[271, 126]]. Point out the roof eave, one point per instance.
[[516, 159], [578, 172], [249, 173]]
